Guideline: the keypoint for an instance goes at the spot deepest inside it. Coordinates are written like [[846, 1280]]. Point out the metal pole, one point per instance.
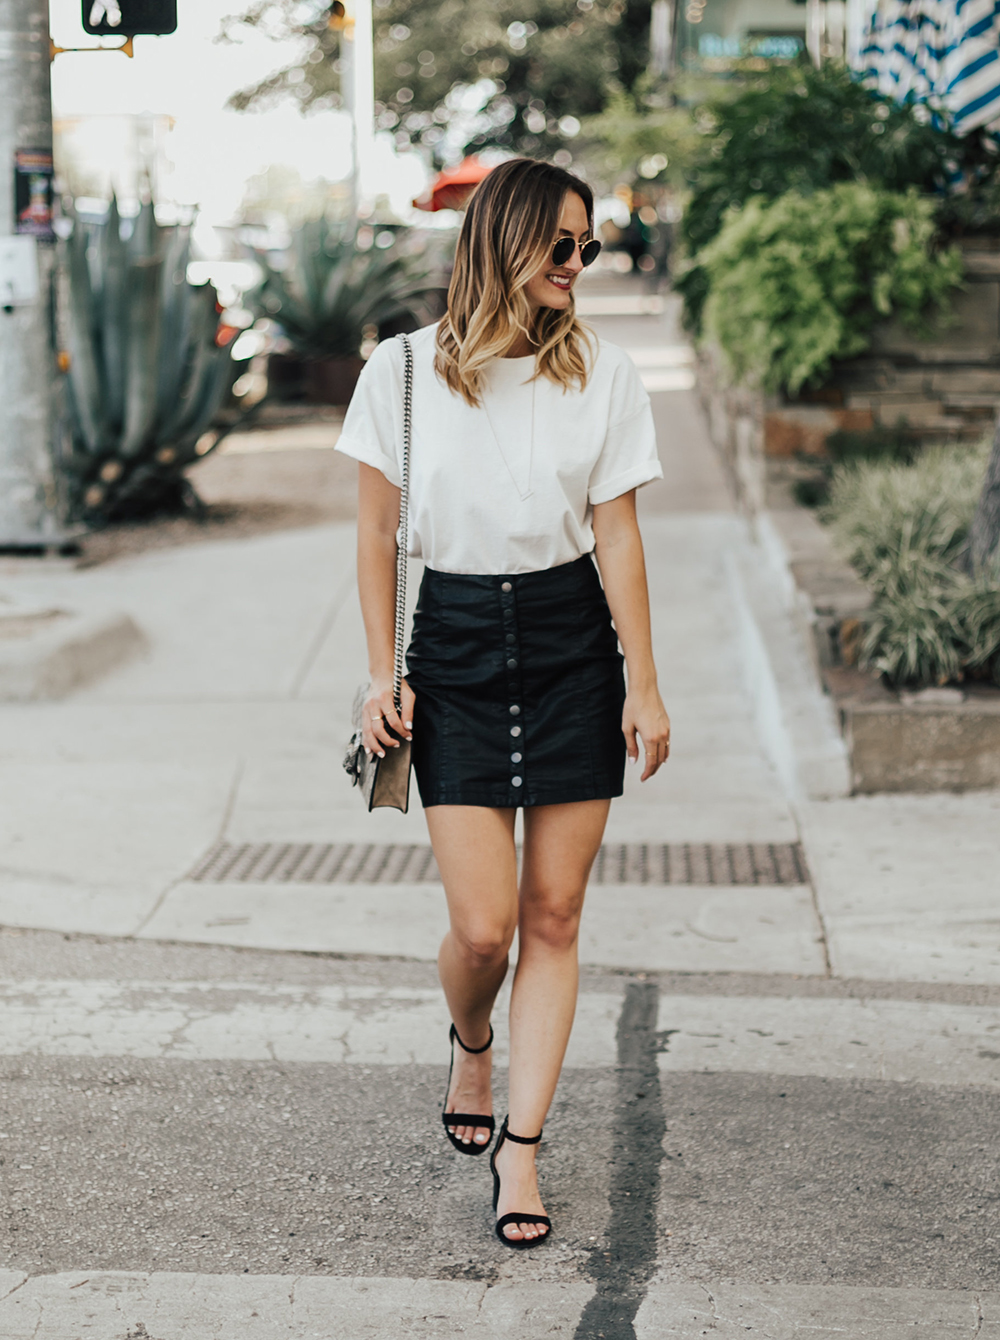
[[662, 23], [815, 29], [363, 104], [27, 373]]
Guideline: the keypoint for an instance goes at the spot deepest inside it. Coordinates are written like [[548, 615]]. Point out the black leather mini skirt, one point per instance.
[[519, 689]]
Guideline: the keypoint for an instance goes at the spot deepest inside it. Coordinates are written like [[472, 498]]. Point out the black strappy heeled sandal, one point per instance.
[[465, 1118], [515, 1217]]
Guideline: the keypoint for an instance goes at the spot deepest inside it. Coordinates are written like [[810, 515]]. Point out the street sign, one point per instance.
[[33, 176], [129, 18]]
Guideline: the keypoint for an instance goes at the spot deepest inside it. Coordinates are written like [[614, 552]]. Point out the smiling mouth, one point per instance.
[[562, 282]]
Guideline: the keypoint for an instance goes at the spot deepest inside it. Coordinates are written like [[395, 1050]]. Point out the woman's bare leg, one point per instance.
[[474, 847], [560, 844]]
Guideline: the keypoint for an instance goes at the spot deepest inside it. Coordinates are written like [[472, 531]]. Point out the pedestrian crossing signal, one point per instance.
[[130, 18]]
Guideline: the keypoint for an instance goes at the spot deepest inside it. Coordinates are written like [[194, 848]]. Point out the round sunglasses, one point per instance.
[[565, 247]]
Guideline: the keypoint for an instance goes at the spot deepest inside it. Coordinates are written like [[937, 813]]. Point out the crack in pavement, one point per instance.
[[623, 1271], [711, 1302], [11, 1292]]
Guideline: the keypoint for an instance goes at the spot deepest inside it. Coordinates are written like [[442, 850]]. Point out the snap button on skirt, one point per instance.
[[519, 689]]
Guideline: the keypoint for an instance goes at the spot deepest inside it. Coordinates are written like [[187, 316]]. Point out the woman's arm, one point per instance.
[[378, 521], [623, 571]]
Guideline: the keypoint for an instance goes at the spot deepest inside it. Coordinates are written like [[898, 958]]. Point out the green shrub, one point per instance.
[[801, 281], [796, 128], [904, 528]]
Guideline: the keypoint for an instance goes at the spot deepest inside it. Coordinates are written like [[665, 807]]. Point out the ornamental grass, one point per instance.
[[905, 527]]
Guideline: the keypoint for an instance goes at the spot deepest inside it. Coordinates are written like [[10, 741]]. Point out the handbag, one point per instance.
[[385, 782]]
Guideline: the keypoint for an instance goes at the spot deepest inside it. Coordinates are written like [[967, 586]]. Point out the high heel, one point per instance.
[[515, 1218], [465, 1118]]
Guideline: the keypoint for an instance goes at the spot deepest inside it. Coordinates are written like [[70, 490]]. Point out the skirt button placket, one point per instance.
[[513, 662]]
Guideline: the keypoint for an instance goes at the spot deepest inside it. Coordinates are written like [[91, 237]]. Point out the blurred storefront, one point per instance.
[[712, 35]]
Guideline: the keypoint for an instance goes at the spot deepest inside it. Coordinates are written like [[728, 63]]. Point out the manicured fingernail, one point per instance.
[[368, 751], [381, 753], [409, 725]]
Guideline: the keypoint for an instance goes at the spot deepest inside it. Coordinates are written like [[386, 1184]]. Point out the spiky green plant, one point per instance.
[[904, 527], [149, 366], [329, 289]]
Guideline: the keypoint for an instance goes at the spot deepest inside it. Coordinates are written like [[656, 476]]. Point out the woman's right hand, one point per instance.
[[380, 711]]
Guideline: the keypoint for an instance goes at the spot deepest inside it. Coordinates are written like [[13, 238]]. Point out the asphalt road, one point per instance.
[[221, 1166]]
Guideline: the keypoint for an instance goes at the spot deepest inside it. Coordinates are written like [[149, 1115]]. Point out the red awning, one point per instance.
[[451, 189]]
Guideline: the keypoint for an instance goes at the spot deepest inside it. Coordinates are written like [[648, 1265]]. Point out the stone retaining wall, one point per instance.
[[939, 389]]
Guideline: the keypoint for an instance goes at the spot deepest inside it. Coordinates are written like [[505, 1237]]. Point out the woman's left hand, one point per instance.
[[645, 716]]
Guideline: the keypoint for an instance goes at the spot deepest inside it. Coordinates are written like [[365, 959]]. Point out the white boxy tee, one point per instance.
[[510, 486]]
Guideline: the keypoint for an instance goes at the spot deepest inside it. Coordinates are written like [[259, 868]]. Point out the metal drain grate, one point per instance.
[[717, 863]]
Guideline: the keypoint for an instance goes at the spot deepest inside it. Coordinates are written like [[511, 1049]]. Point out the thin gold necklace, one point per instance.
[[527, 492]]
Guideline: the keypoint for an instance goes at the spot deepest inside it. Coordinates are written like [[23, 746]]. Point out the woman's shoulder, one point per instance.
[[610, 359], [386, 359], [422, 341], [615, 379]]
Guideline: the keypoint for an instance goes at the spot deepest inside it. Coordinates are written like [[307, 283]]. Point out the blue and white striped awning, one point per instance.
[[944, 53]]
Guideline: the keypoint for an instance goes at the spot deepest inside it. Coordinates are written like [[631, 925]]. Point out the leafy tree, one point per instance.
[[615, 142], [459, 75]]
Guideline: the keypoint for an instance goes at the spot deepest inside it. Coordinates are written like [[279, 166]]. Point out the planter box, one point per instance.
[[937, 740], [918, 742], [944, 388]]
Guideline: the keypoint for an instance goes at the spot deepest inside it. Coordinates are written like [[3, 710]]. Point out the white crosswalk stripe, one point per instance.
[[929, 1042], [176, 1306], [198, 1021]]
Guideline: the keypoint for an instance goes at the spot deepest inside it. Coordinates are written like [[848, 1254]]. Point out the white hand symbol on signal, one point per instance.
[[110, 9]]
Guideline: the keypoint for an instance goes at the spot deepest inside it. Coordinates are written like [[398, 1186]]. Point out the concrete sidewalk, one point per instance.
[[232, 729]]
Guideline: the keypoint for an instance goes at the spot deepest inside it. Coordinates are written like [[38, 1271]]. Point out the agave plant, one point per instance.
[[330, 290], [148, 366]]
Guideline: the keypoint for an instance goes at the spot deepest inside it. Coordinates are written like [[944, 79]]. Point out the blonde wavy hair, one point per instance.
[[510, 226]]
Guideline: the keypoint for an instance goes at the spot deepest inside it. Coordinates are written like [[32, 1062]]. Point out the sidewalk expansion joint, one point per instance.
[[718, 864]]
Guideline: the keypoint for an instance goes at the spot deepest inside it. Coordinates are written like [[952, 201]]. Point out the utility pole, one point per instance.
[[362, 110], [27, 259], [662, 38], [353, 20]]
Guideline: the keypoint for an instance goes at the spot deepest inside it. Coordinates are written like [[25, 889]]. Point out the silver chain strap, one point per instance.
[[404, 520]]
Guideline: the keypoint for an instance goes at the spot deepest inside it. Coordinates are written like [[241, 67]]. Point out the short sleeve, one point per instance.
[[372, 431], [629, 457]]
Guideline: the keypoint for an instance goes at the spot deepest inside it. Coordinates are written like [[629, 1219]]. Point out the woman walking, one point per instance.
[[530, 438]]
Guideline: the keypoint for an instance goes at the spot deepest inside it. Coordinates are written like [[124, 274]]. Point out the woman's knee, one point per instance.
[[483, 943], [552, 919]]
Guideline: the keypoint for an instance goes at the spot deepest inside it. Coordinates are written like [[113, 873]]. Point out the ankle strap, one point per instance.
[[473, 1051], [519, 1139]]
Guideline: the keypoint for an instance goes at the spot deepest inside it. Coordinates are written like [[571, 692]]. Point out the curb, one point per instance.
[[795, 717], [45, 654]]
